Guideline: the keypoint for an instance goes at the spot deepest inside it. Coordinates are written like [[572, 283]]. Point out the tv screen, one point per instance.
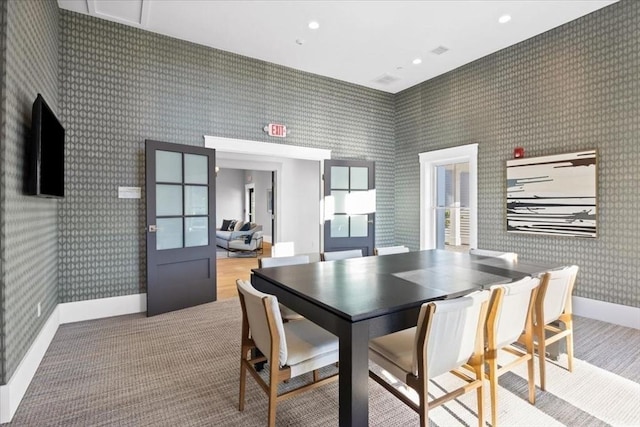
[[46, 168]]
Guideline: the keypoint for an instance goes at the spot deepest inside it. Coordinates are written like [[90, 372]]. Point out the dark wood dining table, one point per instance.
[[362, 298]]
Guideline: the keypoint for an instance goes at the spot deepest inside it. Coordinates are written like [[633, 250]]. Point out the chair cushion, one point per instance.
[[397, 348], [289, 314], [306, 340]]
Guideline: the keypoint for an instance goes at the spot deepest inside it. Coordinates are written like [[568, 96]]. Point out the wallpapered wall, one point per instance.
[[572, 88], [29, 239], [121, 85]]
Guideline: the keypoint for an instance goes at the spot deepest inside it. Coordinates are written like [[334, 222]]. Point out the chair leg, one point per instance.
[[542, 356], [569, 326], [480, 376], [273, 396], [532, 380], [424, 407], [243, 380], [530, 367], [493, 386]]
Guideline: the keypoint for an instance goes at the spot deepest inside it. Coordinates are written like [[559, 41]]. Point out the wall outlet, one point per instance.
[[39, 310]]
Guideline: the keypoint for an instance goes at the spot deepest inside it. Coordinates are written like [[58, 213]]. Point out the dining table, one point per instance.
[[359, 299]]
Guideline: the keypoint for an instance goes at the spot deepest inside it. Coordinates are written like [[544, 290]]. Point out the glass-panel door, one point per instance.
[[180, 192], [350, 205]]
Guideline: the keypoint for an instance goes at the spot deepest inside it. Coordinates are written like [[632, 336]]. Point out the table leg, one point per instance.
[[354, 374]]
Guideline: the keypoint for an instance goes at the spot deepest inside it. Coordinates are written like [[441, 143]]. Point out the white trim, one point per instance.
[[12, 393], [624, 315], [104, 307], [428, 161], [270, 149]]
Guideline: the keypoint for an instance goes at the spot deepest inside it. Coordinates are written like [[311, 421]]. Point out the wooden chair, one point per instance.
[[510, 313], [291, 349], [336, 255], [449, 335], [509, 256], [553, 304], [286, 313], [389, 250]]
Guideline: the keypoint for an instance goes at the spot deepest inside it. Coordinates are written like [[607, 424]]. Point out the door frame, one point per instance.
[[247, 200], [428, 162], [268, 156]]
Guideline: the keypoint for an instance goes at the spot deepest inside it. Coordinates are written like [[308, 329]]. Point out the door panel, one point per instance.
[[181, 254], [350, 204]]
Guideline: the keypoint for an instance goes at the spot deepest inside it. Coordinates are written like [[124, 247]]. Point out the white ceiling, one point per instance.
[[360, 42]]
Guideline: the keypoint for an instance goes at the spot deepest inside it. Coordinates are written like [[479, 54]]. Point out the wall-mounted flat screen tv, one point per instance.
[[46, 152]]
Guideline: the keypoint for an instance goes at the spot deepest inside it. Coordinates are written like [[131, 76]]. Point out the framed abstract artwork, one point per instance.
[[553, 195]]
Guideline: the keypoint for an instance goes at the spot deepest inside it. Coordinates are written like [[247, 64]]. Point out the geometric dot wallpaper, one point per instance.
[[573, 88], [29, 225], [121, 85]]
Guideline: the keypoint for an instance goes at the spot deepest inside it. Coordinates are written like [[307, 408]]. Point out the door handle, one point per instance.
[[152, 228]]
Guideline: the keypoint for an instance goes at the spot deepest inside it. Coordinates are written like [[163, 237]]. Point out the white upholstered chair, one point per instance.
[[449, 335], [510, 319], [336, 255], [553, 303], [286, 312], [509, 256], [389, 250], [291, 349]]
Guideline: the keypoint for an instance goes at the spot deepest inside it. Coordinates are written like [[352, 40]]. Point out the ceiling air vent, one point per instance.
[[439, 50], [386, 79]]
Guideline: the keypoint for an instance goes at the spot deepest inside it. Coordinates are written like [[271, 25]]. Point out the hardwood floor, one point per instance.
[[231, 269]]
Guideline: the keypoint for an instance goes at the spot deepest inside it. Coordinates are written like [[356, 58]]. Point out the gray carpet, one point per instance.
[[181, 369]]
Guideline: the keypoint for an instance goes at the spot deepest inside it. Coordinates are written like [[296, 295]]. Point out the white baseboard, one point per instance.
[[104, 307], [619, 314], [12, 393]]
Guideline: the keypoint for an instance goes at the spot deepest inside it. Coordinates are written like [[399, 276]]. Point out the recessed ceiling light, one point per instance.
[[417, 61], [314, 25], [504, 19]]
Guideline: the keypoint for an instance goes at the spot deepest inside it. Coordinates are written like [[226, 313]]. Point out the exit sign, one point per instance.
[[277, 130]]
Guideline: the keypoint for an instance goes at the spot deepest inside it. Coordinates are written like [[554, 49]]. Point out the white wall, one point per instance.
[[229, 195], [300, 205], [262, 181]]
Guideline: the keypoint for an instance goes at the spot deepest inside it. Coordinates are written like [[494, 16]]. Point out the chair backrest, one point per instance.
[[509, 256], [510, 307], [555, 292], [333, 256], [262, 314], [452, 330], [281, 249], [389, 250], [285, 260]]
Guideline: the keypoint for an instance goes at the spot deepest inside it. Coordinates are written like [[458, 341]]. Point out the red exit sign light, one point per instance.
[[277, 130]]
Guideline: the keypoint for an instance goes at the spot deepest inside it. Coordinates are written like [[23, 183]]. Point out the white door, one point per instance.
[[448, 198]]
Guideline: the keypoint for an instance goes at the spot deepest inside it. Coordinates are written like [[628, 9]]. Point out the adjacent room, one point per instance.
[[201, 202]]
